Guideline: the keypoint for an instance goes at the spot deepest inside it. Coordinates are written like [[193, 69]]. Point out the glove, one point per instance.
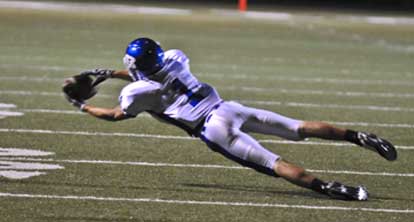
[[100, 75], [78, 88]]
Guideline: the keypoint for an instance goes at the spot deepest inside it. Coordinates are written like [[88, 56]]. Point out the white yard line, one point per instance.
[[17, 175], [251, 89], [71, 112], [205, 203], [307, 80], [7, 106], [144, 115], [206, 166], [83, 133], [157, 136], [38, 93], [88, 7], [30, 79], [256, 102], [329, 106], [319, 92], [9, 151], [385, 125], [276, 77], [306, 18]]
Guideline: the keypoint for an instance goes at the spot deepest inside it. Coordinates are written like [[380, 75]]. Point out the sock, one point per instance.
[[352, 136], [318, 186]]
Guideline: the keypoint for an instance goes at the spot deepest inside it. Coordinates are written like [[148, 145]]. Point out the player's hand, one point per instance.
[[76, 103], [100, 74]]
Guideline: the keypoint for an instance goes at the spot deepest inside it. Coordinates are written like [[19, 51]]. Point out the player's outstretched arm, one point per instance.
[[122, 74], [114, 114], [104, 74]]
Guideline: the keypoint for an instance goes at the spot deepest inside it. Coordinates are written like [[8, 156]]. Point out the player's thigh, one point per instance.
[[239, 146], [267, 122]]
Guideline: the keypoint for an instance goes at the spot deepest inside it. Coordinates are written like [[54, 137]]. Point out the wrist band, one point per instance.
[[111, 74], [82, 107]]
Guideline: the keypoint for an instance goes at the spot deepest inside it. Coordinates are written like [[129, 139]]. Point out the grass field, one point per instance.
[[309, 66]]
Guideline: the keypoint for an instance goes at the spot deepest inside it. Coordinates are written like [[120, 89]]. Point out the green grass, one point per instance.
[[224, 51]]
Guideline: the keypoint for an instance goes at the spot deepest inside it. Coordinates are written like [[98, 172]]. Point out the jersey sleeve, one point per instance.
[[140, 96], [177, 55]]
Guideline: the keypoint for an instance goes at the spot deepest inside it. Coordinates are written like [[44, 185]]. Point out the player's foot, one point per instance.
[[376, 144], [339, 191]]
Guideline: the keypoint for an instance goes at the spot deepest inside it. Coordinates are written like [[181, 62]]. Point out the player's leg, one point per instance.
[[238, 146], [243, 149], [267, 122], [222, 134], [263, 121], [370, 141], [298, 176]]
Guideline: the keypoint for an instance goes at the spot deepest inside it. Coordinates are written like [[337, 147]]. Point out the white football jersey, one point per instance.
[[174, 94], [140, 96]]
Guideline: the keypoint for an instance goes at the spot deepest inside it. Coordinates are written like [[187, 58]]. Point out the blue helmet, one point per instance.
[[144, 55]]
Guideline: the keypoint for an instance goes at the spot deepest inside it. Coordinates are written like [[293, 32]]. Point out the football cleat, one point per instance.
[[339, 191], [376, 144]]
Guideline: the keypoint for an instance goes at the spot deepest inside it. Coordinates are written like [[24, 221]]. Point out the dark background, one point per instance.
[[367, 5], [403, 6]]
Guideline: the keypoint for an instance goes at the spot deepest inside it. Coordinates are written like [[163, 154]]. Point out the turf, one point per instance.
[[249, 61]]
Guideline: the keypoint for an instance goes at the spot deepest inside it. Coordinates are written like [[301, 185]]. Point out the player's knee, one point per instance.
[[308, 128]]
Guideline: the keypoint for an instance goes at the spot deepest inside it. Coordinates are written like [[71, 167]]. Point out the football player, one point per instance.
[[163, 85]]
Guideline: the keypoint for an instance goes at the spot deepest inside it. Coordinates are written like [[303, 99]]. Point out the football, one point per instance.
[[79, 87]]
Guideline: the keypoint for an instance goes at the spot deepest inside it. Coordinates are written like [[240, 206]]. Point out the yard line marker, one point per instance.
[[207, 166], [7, 106], [13, 174], [8, 151], [210, 203], [12, 165], [157, 136], [5, 112]]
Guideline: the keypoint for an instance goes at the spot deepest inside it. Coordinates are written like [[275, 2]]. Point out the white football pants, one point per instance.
[[225, 131]]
